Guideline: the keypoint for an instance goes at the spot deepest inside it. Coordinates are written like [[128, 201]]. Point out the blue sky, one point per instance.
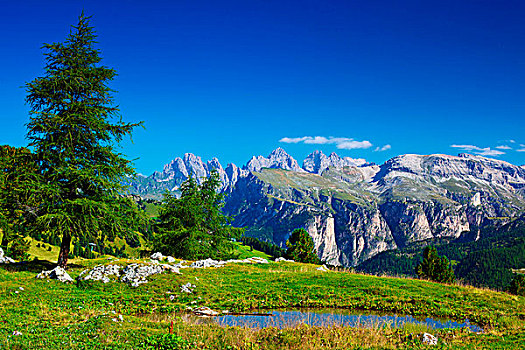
[[232, 79]]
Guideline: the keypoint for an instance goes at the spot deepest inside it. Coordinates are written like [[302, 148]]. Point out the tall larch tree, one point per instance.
[[74, 129]]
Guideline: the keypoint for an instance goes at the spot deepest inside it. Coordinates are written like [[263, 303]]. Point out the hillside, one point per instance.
[[487, 262], [96, 315]]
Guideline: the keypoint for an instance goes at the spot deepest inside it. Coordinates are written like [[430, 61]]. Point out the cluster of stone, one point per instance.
[[200, 264], [4, 259], [281, 259], [137, 274], [159, 257], [100, 273], [187, 288], [58, 273]]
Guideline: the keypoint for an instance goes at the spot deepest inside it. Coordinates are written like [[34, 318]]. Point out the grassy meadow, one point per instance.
[[47, 314]]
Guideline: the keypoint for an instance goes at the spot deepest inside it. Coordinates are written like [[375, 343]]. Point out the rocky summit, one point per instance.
[[354, 209]]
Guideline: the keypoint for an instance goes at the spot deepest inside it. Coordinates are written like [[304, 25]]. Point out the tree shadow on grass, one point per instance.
[[34, 266]]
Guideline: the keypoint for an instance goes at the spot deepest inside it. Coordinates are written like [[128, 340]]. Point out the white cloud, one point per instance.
[[384, 148], [503, 147], [340, 142], [293, 139], [520, 150], [512, 141], [486, 151]]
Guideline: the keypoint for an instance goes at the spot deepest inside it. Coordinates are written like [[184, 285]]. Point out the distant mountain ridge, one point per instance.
[[354, 209]]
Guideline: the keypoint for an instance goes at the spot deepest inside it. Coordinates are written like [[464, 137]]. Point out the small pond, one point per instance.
[[335, 317]]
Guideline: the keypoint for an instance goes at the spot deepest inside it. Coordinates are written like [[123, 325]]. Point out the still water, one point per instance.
[[334, 317]]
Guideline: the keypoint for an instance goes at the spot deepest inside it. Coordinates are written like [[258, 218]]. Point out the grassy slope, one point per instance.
[[243, 252], [51, 315]]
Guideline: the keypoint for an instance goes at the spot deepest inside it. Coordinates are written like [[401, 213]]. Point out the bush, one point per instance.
[[517, 286], [166, 342], [19, 248], [434, 267]]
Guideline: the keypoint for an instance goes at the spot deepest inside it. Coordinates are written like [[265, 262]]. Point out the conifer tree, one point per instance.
[[435, 267], [193, 226], [301, 247], [73, 138]]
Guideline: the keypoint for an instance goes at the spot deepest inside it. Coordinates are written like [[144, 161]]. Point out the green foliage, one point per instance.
[[19, 193], [301, 247], [18, 249], [434, 267], [517, 286], [166, 342], [266, 247], [73, 138], [193, 226]]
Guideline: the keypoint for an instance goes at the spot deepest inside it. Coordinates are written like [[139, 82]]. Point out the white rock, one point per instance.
[[207, 263], [57, 273], [283, 260], [323, 268], [157, 256], [187, 288], [136, 274], [171, 259], [100, 273], [429, 339], [476, 199], [4, 259], [205, 311]]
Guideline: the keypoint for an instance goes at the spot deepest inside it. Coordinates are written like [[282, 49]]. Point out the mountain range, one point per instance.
[[353, 209]]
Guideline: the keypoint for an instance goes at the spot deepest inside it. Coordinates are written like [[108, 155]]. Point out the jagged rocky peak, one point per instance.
[[277, 159], [317, 162], [195, 166]]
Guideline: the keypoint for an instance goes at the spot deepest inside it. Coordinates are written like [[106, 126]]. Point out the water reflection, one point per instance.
[[292, 318]]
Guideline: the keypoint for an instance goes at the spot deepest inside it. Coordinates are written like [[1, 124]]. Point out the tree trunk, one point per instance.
[[64, 250]]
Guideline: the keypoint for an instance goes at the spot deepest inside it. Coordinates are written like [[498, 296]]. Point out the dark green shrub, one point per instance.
[[517, 286], [19, 248], [166, 342]]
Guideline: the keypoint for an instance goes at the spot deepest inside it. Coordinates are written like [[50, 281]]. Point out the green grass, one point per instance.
[[52, 315], [244, 251], [42, 252]]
